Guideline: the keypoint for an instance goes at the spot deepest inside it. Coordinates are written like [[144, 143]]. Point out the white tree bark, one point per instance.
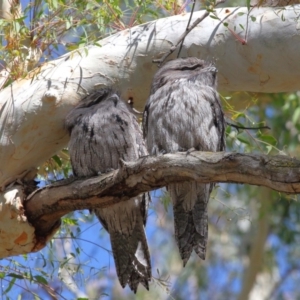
[[10, 9]]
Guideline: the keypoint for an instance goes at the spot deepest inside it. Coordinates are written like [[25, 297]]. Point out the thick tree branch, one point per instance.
[[45, 206]]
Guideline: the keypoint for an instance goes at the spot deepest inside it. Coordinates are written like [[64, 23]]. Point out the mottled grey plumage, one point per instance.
[[103, 131], [184, 112]]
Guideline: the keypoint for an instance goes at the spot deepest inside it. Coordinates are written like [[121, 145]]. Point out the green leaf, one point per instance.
[[97, 44], [243, 139], [269, 148], [44, 261], [40, 279], [11, 284], [14, 275], [248, 4], [69, 221], [55, 4], [253, 19], [238, 115], [65, 262], [214, 17], [57, 160], [296, 116], [269, 139], [30, 276], [2, 275], [68, 24], [17, 26]]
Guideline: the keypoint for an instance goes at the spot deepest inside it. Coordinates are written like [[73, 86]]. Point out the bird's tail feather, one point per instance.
[[190, 217], [132, 258]]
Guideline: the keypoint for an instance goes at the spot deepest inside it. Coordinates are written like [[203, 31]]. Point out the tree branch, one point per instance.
[[45, 206], [27, 226]]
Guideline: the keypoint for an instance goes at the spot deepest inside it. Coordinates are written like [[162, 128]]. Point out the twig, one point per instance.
[[249, 128], [241, 40], [281, 281], [187, 26], [183, 36]]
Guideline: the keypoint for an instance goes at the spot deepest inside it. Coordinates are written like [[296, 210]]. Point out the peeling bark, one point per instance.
[[17, 235]]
